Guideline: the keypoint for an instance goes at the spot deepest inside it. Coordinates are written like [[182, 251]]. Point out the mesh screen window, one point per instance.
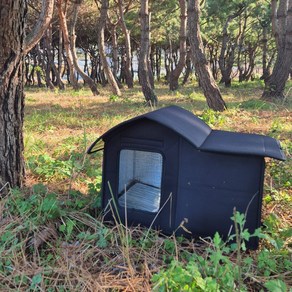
[[140, 175]]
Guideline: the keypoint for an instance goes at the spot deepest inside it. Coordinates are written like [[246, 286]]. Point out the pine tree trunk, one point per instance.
[[128, 60], [11, 93], [207, 82], [275, 84], [224, 60], [39, 65], [45, 64], [48, 44], [84, 76], [144, 66], [28, 81], [188, 67], [43, 22], [115, 54], [158, 62], [266, 72], [150, 68], [106, 67], [174, 74], [69, 57], [227, 55], [60, 54]]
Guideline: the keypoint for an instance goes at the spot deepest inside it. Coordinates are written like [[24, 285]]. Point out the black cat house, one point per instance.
[[168, 166]]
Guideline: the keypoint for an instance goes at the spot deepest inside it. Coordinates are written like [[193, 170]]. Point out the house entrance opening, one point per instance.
[[140, 174]]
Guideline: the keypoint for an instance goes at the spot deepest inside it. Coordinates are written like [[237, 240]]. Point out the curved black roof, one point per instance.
[[199, 134]]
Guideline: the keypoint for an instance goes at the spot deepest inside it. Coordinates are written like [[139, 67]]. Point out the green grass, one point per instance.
[[52, 237]]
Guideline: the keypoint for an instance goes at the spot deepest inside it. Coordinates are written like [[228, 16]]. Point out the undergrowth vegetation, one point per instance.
[[52, 234]]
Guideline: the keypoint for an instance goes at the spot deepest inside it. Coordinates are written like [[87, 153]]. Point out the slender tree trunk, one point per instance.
[[51, 63], [281, 23], [167, 64], [43, 58], [252, 56], [106, 67], [48, 40], [275, 85], [158, 62], [188, 67], [150, 66], [85, 67], [174, 74], [28, 81], [170, 56], [270, 63], [225, 71], [128, 59], [144, 66], [69, 57], [266, 72], [115, 55], [84, 76], [43, 22], [274, 20], [207, 82], [227, 55], [240, 45], [122, 77], [32, 55], [213, 51], [60, 54], [40, 67], [11, 93]]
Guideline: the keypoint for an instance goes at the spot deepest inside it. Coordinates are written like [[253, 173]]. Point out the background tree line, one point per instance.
[[241, 40]]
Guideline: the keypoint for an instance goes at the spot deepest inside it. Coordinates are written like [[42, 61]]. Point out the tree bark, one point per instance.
[[275, 84], [38, 65], [266, 72], [12, 35], [43, 22], [60, 54], [150, 64], [84, 76], [213, 52], [227, 55], [13, 47], [50, 57], [188, 67], [69, 57], [128, 59], [207, 82], [158, 62], [242, 30], [45, 67], [144, 74], [174, 74], [106, 67], [115, 52]]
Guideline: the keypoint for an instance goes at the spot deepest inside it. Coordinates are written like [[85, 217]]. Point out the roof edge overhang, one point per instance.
[[264, 150], [201, 136], [179, 120], [243, 144]]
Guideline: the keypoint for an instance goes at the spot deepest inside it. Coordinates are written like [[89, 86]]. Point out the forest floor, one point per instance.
[[52, 236]]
